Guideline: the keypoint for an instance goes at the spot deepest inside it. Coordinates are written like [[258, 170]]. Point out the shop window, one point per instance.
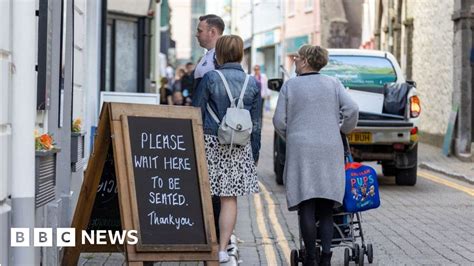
[[126, 50]]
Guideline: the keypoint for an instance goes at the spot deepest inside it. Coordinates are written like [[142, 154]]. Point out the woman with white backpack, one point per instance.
[[230, 104]]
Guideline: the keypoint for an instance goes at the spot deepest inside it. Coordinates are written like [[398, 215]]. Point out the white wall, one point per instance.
[[433, 62], [181, 30], [79, 61], [267, 15], [5, 126], [135, 7], [221, 8], [5, 96], [241, 19]]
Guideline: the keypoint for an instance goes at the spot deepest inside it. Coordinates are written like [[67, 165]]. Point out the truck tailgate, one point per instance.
[[381, 132]]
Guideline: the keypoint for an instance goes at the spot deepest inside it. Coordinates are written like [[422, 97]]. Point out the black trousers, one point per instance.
[[216, 207], [308, 211]]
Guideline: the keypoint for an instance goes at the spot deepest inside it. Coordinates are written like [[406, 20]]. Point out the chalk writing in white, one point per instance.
[[174, 199], [155, 219], [162, 142], [176, 163], [142, 161]]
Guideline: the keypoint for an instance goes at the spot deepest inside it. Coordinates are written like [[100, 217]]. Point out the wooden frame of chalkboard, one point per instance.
[[87, 196], [117, 131], [173, 119]]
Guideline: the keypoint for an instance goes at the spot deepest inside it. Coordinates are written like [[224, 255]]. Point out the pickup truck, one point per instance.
[[389, 109]]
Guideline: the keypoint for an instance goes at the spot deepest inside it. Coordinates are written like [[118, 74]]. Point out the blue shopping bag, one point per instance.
[[362, 188]]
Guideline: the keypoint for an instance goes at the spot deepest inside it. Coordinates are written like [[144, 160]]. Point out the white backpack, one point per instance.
[[236, 125]]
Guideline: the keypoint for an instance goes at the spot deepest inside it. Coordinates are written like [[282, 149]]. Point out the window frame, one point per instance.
[[143, 49]]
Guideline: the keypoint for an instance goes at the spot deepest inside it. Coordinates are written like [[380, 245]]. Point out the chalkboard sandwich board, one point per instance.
[[151, 176]]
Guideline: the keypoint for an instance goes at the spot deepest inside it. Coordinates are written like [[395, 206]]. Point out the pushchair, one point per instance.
[[348, 233]]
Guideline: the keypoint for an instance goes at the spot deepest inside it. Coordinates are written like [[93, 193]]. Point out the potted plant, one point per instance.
[[45, 168], [77, 144]]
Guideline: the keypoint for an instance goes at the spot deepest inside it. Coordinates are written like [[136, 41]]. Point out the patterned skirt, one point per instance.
[[232, 171]]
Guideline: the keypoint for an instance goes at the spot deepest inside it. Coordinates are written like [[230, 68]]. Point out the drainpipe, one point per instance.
[[93, 55], [253, 50], [157, 37], [462, 82], [283, 38], [390, 26], [24, 36]]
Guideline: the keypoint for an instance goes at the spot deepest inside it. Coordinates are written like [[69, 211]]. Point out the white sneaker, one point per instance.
[[223, 256]]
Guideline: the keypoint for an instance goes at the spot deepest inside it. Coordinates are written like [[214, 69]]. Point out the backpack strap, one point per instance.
[[240, 104], [226, 85], [229, 94], [213, 115]]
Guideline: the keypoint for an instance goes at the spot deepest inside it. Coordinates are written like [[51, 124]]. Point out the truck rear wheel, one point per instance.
[[406, 177], [388, 169]]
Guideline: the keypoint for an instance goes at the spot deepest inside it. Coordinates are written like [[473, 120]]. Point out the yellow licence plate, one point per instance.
[[360, 137]]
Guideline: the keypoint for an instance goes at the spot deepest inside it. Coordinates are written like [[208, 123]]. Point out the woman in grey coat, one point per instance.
[[308, 117]]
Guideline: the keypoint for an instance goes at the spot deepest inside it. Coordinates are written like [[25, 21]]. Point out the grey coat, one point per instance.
[[307, 116]]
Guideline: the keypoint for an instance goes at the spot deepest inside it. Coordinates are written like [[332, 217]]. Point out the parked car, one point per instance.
[[389, 109]]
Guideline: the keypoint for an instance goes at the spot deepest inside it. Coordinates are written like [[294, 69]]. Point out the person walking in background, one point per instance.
[[178, 98], [262, 83], [165, 92], [209, 29], [187, 83], [232, 168], [180, 72], [169, 72], [183, 84], [307, 115]]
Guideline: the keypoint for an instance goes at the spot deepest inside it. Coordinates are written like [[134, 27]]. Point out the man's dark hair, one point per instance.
[[189, 63], [214, 21]]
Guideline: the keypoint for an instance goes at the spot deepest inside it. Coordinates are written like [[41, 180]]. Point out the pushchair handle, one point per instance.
[[347, 149]]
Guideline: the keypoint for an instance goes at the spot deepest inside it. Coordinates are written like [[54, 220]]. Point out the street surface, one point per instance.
[[430, 223]]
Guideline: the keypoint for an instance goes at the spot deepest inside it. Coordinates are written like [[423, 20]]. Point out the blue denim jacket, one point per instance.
[[211, 90]]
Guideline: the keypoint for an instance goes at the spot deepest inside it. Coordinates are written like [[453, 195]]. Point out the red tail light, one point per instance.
[[398, 146], [414, 134], [415, 106]]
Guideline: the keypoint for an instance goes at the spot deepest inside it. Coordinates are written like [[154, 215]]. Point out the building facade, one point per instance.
[[181, 30], [259, 23], [432, 44], [43, 89], [53, 67], [331, 24], [198, 8]]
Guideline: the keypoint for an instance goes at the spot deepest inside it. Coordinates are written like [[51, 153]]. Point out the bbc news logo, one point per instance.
[[66, 237]]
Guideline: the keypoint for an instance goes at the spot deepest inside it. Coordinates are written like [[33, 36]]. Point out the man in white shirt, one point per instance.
[[209, 29]]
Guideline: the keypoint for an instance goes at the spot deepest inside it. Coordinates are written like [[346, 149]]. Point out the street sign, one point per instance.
[[148, 173]]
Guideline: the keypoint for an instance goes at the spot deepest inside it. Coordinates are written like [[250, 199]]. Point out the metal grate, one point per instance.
[[77, 152], [45, 179]]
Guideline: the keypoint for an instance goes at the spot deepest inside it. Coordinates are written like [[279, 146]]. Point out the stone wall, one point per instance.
[[433, 62]]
